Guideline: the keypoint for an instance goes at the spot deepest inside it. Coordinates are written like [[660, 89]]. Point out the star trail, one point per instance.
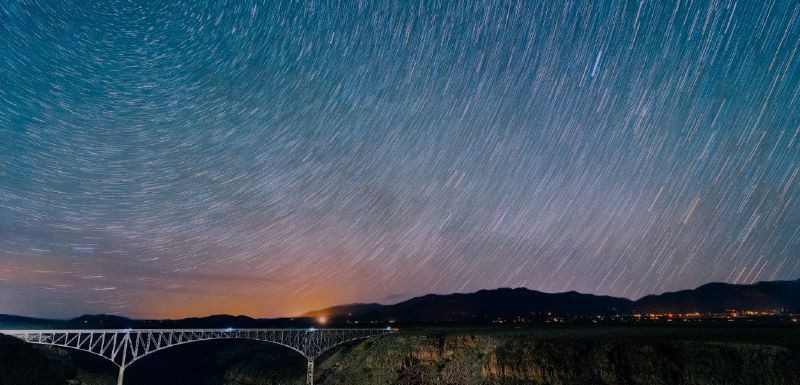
[[181, 158]]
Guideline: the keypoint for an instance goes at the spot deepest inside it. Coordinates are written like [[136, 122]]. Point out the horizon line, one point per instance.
[[302, 316]]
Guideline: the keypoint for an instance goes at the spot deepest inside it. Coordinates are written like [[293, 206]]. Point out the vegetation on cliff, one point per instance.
[[426, 356], [569, 356]]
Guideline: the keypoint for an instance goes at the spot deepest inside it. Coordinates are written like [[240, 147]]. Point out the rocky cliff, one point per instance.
[[544, 356], [526, 357]]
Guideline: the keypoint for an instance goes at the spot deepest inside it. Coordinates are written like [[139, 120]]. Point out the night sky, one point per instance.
[[180, 158]]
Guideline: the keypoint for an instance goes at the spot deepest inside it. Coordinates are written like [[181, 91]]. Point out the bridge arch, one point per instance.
[[214, 339], [123, 347]]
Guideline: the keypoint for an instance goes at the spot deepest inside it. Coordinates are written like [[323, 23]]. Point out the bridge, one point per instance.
[[125, 346]]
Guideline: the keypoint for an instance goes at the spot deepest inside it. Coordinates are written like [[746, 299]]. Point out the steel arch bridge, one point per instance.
[[125, 346]]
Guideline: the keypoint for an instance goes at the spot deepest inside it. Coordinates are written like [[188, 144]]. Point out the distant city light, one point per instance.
[[229, 329], [322, 319]]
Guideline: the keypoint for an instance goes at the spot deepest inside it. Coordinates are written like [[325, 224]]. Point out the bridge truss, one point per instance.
[[125, 346]]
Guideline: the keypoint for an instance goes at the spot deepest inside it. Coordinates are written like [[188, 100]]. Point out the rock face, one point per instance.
[[516, 358], [545, 356], [22, 364]]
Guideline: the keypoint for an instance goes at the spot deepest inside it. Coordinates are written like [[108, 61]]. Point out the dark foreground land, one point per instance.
[[601, 355]]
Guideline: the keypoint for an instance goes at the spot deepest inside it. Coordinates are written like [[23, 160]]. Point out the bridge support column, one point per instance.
[[121, 374], [309, 372]]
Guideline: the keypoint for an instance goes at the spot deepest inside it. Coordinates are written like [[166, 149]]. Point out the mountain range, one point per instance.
[[479, 307], [505, 303]]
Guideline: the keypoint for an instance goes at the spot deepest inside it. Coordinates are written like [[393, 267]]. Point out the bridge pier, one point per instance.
[[310, 372], [126, 340], [121, 374]]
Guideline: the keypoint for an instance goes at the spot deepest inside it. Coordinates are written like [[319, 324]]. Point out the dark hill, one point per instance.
[[353, 310], [486, 305], [100, 321], [18, 322], [219, 321], [482, 306], [23, 364], [479, 307], [719, 297]]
